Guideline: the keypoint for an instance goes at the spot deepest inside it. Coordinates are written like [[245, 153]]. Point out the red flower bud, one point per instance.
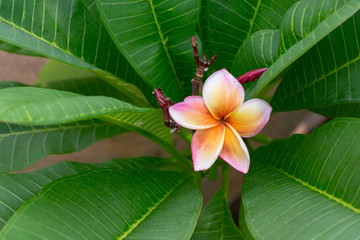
[[251, 76], [193, 42], [164, 104], [160, 98]]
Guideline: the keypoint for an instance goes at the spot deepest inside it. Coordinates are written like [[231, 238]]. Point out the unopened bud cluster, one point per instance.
[[164, 104]]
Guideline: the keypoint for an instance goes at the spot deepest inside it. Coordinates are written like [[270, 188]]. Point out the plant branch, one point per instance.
[[164, 104], [262, 138], [202, 65], [248, 145], [185, 135], [225, 178]]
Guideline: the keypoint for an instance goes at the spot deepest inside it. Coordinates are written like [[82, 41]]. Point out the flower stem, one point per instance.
[[185, 135], [262, 138], [202, 65], [248, 145], [181, 159], [225, 178], [164, 104], [186, 152]]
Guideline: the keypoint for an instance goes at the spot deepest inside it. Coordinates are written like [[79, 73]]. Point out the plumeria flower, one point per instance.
[[221, 119]]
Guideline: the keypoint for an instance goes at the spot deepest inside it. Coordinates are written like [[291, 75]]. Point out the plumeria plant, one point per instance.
[[140, 65]]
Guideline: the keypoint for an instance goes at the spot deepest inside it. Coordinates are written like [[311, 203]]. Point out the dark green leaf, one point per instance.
[[151, 125], [91, 6], [66, 31], [215, 222], [306, 187], [151, 122], [304, 25], [12, 196], [64, 77], [110, 204], [10, 84], [155, 38], [29, 105], [129, 91], [260, 50], [326, 79], [243, 227], [226, 24], [4, 46], [38, 106], [21, 146]]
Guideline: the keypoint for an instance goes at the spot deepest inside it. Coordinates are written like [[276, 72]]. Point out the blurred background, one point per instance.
[[281, 125]]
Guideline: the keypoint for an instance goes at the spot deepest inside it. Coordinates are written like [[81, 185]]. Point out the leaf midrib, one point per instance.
[[58, 98], [164, 43], [24, 105], [251, 23], [168, 147], [150, 210], [46, 41], [263, 83], [331, 197], [252, 20], [35, 131], [346, 64]]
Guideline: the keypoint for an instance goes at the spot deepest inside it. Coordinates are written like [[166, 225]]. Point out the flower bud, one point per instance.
[[251, 76]]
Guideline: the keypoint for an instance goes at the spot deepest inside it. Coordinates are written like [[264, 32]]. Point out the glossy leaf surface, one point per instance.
[[67, 31], [155, 38], [4, 46], [306, 187], [29, 105], [215, 221], [304, 25], [151, 122], [21, 146], [64, 77], [10, 84], [12, 196], [225, 25], [151, 125], [326, 79], [38, 106], [129, 204]]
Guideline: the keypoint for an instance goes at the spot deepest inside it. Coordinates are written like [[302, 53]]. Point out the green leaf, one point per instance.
[[326, 78], [243, 227], [155, 37], [129, 91], [151, 125], [66, 31], [21, 146], [306, 187], [29, 105], [12, 196], [225, 25], [110, 204], [10, 84], [64, 77], [260, 50], [304, 25], [54, 71], [215, 221], [4, 46], [55, 31], [151, 122], [36, 106], [91, 6]]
